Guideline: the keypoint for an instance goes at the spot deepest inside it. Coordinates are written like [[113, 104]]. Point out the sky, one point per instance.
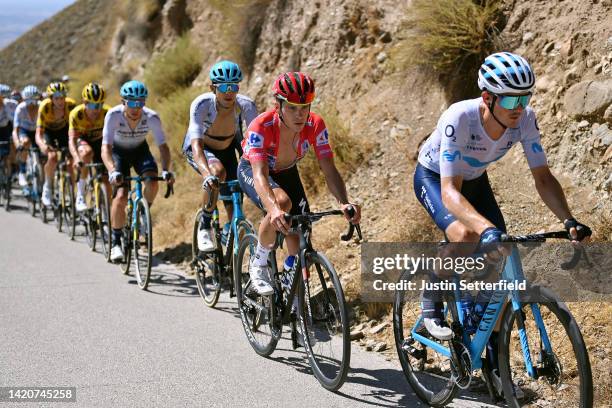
[[18, 16]]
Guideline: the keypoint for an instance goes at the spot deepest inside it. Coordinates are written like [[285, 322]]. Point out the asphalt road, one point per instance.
[[67, 318]]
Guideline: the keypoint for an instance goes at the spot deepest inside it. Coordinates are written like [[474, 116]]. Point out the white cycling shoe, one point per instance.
[[260, 279], [46, 196], [206, 240], [23, 181], [81, 205], [116, 254], [435, 328]]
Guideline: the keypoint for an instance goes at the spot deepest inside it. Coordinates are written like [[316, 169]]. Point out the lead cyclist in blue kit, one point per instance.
[[450, 179]]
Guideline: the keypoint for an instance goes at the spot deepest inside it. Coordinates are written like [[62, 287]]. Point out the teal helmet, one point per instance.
[[133, 90], [225, 71]]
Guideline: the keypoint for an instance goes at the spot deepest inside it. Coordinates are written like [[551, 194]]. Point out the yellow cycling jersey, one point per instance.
[[46, 117], [86, 129]]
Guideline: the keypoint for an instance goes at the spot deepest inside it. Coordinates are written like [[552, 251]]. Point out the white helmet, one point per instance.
[[5, 91], [30, 92], [506, 73]]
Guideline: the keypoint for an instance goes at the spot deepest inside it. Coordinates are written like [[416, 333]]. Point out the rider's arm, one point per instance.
[[160, 139], [262, 186], [551, 192], [460, 207], [336, 185], [40, 141], [164, 153], [73, 136], [197, 149], [107, 157]]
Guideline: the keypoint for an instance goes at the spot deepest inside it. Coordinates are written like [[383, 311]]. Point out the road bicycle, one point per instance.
[[138, 231], [540, 347], [214, 270], [62, 202], [321, 309], [34, 176], [96, 218]]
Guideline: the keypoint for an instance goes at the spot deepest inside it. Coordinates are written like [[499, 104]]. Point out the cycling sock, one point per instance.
[[289, 262], [47, 183], [206, 218], [116, 236], [80, 186], [261, 255]]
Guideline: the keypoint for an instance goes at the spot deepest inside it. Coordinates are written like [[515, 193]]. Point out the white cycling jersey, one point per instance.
[[22, 118], [459, 146], [203, 113], [117, 131], [7, 112]]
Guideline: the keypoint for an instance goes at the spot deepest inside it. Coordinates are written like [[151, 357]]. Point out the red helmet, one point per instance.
[[295, 87]]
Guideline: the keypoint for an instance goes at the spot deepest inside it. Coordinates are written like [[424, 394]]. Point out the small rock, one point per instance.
[[583, 124], [528, 37], [609, 43], [378, 328], [549, 47], [570, 76], [543, 84], [608, 114], [370, 345], [381, 57], [566, 48], [378, 347], [385, 37], [356, 335]]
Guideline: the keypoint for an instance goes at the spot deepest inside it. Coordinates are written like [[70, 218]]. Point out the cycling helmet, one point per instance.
[[94, 93], [133, 90], [30, 92], [506, 73], [294, 87], [225, 71], [56, 87], [5, 90], [65, 78]]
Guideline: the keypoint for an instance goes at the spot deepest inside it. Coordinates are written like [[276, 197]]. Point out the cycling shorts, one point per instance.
[[288, 180], [96, 147], [57, 138], [227, 158], [478, 192], [27, 134], [140, 158]]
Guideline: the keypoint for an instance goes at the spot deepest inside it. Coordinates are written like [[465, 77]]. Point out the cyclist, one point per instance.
[[124, 146], [276, 140], [214, 134], [16, 96], [7, 115], [450, 179], [85, 133], [52, 131], [24, 127]]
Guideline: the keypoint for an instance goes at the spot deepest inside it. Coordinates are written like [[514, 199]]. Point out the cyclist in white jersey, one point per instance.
[[7, 116], [124, 146], [24, 127], [450, 180], [214, 135]]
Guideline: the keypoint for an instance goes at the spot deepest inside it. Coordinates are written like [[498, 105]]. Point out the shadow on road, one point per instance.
[[167, 283]]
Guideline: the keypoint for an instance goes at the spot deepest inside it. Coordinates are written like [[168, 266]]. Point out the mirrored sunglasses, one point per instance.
[[59, 94], [134, 103], [227, 87], [93, 105], [513, 101]]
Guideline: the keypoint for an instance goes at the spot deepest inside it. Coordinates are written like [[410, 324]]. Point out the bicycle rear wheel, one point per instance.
[[143, 244], [565, 378], [206, 268], [258, 313], [68, 209], [428, 373], [324, 323], [57, 204], [89, 217], [126, 244], [103, 221]]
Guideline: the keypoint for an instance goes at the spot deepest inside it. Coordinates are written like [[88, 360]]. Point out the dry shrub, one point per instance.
[[173, 69], [349, 152], [445, 35]]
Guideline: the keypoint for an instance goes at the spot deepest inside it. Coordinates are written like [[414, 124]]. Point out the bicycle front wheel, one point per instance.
[[143, 244], [564, 371], [69, 210], [324, 322], [57, 197], [206, 268], [103, 220], [428, 373], [258, 313]]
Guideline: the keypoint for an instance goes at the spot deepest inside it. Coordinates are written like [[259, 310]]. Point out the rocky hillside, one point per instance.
[[353, 48]]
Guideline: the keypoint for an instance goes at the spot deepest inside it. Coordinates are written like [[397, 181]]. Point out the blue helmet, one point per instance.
[[225, 71], [506, 73], [5, 91], [133, 90]]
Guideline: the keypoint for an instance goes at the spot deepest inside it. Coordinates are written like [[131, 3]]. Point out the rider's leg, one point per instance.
[[118, 221], [144, 163], [22, 157], [151, 187]]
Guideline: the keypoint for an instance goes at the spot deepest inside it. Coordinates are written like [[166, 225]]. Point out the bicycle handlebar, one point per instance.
[[536, 237], [169, 187], [312, 217]]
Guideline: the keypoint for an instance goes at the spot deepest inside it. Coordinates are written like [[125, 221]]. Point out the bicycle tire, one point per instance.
[[326, 318], [69, 209], [143, 260], [91, 230], [36, 188], [414, 362], [126, 244], [7, 193], [255, 311], [104, 224], [57, 194], [206, 268], [560, 325]]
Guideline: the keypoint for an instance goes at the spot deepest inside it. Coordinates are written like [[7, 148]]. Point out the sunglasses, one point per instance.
[[58, 95], [134, 103], [228, 87], [511, 102], [93, 105]]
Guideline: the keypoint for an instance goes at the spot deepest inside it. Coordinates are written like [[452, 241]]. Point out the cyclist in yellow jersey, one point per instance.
[[85, 133], [52, 131]]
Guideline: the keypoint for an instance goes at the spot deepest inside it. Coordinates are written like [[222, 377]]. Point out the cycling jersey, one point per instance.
[[7, 112], [86, 129], [262, 141], [203, 112], [23, 119], [117, 132], [459, 146], [46, 117]]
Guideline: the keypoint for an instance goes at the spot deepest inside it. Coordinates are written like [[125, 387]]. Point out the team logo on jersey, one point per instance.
[[537, 148], [323, 138], [255, 139], [451, 156], [476, 137], [305, 146]]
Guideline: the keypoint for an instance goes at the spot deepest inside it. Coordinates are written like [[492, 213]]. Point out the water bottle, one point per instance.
[[225, 233], [467, 306]]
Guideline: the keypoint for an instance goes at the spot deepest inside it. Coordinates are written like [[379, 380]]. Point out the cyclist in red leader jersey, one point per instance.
[[276, 140]]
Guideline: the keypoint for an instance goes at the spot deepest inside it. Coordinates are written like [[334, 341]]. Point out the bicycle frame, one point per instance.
[[238, 215], [513, 271]]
